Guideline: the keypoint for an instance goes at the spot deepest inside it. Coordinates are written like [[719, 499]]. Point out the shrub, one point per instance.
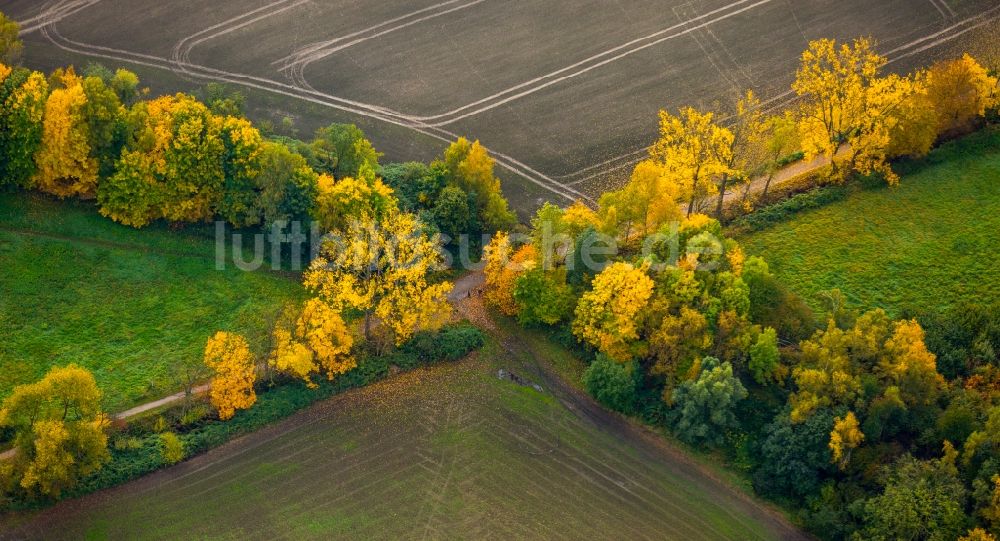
[[612, 383], [778, 212], [449, 344], [173, 448]]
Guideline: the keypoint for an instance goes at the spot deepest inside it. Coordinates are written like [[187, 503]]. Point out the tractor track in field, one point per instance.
[[293, 67], [196, 72]]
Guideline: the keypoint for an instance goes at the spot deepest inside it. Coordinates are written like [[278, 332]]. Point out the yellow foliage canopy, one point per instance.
[[229, 357], [381, 266], [960, 91], [339, 202], [692, 150], [644, 204], [847, 101], [64, 162], [844, 438], [320, 342], [60, 430], [606, 316]]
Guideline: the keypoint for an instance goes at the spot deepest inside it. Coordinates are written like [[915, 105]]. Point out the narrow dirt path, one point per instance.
[[648, 443]]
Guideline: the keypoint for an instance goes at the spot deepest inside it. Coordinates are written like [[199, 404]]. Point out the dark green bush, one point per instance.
[[450, 344], [612, 383], [779, 212]]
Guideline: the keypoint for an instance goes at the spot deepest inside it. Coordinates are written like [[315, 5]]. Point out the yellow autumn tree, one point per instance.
[[234, 373], [844, 438], [693, 151], [847, 101], [578, 217], [59, 430], [915, 123], [340, 202], [470, 167], [679, 342], [825, 375], [497, 259], [324, 331], [960, 91], [606, 316], [645, 203], [64, 164], [319, 342], [747, 149], [908, 365], [292, 356], [382, 267]]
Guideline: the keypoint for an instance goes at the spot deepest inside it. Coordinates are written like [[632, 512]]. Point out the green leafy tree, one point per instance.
[[470, 167], [543, 297], [707, 405], [612, 383], [126, 85], [23, 95], [417, 185], [172, 448], [764, 356], [922, 500], [794, 458], [451, 212], [172, 166], [342, 150], [286, 185], [223, 102], [240, 201], [105, 118]]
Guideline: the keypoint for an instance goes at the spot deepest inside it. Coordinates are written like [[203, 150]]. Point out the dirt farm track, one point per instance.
[[564, 93]]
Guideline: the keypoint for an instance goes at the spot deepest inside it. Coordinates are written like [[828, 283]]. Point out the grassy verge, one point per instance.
[[130, 305], [927, 244]]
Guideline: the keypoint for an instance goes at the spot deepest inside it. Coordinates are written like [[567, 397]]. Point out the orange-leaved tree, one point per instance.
[[234, 373]]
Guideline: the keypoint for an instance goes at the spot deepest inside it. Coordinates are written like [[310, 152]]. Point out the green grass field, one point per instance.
[[127, 304], [928, 244], [449, 451]]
